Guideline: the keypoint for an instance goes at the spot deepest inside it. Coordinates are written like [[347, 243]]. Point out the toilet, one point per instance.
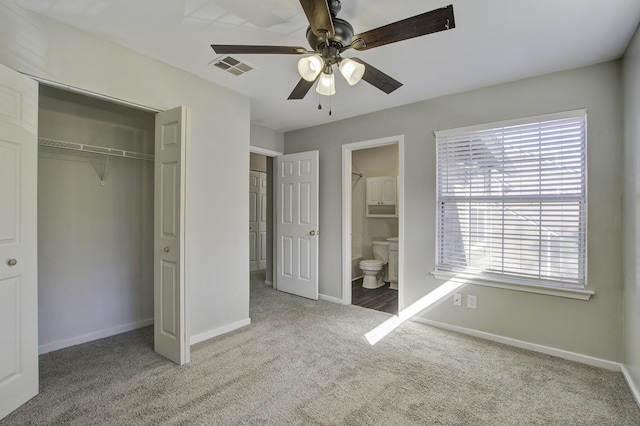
[[375, 271]]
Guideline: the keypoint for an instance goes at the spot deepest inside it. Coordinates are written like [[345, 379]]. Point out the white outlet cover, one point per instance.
[[457, 299], [472, 302]]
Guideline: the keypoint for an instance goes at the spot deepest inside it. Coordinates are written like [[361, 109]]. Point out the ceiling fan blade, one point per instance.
[[377, 78], [301, 89], [319, 17], [416, 26], [224, 49]]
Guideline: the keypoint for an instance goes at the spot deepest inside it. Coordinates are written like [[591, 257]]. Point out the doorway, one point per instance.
[[369, 222], [261, 209]]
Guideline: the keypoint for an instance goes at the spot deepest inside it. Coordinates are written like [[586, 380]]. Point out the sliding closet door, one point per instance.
[[170, 332], [18, 240]]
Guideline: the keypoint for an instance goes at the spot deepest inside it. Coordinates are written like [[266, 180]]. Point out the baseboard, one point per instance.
[[269, 283], [330, 299], [571, 356], [218, 331], [89, 337], [632, 386]]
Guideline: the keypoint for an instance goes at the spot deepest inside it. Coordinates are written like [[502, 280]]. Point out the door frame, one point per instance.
[[155, 111], [347, 151], [270, 265]]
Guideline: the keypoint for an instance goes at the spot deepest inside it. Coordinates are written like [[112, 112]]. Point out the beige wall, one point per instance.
[[631, 86], [592, 328], [217, 154], [258, 162]]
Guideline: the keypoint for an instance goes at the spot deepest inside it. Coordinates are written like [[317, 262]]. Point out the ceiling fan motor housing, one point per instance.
[[342, 37]]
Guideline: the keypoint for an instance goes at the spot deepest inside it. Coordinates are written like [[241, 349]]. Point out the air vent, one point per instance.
[[231, 65]]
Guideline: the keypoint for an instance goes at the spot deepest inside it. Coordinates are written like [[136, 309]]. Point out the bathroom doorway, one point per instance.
[[373, 178]]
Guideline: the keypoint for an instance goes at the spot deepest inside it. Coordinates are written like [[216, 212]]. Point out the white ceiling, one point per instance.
[[495, 41]]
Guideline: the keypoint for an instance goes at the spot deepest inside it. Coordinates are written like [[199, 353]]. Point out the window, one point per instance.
[[511, 200]]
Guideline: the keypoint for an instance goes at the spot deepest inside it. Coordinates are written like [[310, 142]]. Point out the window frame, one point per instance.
[[501, 280]]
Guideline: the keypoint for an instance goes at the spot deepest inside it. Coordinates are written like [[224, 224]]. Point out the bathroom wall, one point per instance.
[[371, 162]]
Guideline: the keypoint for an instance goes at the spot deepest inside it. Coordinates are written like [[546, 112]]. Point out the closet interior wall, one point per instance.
[[95, 221]]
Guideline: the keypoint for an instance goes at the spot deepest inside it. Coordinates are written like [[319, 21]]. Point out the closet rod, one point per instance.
[[94, 149]]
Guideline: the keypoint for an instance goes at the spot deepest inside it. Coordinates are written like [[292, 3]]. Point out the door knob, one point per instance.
[[312, 232], [12, 262], [166, 249]]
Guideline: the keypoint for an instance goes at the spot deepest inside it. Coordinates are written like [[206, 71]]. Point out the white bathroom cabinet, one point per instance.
[[393, 262], [382, 196]]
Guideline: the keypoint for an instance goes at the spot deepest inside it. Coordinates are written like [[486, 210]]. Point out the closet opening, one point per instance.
[[95, 218]]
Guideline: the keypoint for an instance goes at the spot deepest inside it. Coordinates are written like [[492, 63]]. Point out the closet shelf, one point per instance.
[[94, 149]]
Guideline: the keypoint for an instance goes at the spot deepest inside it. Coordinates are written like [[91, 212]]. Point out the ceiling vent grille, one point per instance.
[[232, 65]]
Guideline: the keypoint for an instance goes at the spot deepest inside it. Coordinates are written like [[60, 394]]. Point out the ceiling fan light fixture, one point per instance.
[[326, 83], [351, 70], [310, 66]]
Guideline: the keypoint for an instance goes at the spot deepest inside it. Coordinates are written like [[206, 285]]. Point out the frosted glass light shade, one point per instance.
[[310, 67], [326, 84], [351, 70]]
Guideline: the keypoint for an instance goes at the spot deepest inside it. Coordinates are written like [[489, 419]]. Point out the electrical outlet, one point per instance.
[[472, 302], [457, 299]]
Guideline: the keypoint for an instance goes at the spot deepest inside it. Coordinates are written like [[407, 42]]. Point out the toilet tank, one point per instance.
[[381, 250]]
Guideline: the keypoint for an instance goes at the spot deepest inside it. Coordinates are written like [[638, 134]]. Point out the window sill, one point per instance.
[[570, 293]]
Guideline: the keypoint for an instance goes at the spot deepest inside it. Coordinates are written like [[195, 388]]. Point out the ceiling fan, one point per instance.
[[330, 36]]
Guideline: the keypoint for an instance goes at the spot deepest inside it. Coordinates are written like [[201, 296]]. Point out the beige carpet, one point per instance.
[[308, 363]]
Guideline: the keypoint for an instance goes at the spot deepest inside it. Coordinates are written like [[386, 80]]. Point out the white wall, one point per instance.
[[216, 270], [631, 86], [95, 241], [593, 327], [263, 137]]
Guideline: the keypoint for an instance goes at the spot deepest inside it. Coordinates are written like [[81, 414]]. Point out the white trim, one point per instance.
[[94, 95], [264, 151], [632, 386], [330, 299], [269, 283], [571, 293], [219, 331], [95, 335], [514, 122], [347, 150], [560, 353]]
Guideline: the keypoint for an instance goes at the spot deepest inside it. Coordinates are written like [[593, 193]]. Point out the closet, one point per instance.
[[95, 218]]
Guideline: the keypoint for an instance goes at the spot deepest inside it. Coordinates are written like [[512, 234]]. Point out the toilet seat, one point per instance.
[[372, 263], [372, 270]]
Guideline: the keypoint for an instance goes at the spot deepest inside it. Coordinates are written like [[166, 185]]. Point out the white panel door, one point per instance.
[[297, 224], [170, 332], [18, 240], [254, 219], [262, 223]]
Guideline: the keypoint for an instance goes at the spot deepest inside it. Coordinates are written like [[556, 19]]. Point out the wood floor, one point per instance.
[[381, 299]]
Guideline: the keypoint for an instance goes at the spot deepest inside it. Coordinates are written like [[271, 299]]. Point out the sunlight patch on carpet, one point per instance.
[[437, 295]]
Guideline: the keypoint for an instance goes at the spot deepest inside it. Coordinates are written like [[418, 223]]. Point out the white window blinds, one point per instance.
[[512, 200]]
